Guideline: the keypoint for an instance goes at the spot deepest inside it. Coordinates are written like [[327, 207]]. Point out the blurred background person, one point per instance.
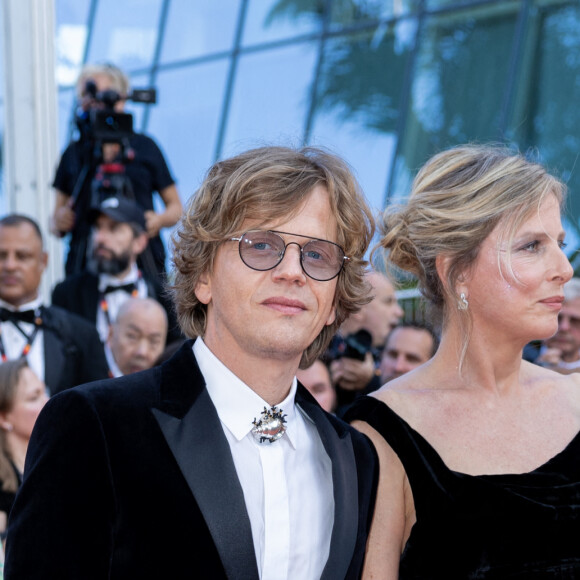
[[22, 396], [355, 350], [316, 378], [97, 166], [118, 238], [63, 349], [137, 337], [561, 352], [408, 345]]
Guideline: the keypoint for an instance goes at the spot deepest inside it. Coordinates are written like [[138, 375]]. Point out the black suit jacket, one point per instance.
[[79, 294], [73, 353], [134, 478]]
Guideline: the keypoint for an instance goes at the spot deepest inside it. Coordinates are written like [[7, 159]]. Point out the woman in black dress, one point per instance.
[[479, 450], [22, 396]]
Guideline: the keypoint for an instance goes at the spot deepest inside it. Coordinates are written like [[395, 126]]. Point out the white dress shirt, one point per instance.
[[14, 341], [116, 299], [287, 484]]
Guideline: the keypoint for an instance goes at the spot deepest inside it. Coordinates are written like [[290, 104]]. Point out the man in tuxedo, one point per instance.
[[218, 464], [61, 348], [118, 238]]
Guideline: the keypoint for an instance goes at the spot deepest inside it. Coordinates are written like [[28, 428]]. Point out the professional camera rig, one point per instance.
[[102, 125]]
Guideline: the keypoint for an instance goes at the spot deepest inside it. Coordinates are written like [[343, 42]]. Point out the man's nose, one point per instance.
[[291, 264]]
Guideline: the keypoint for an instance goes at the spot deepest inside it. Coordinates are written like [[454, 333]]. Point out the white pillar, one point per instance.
[[31, 136]]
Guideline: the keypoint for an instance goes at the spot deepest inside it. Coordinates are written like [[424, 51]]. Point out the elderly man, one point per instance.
[[62, 349], [216, 464], [137, 337], [408, 345]]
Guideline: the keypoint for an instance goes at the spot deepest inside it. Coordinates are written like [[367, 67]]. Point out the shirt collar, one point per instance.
[[32, 305], [110, 280], [236, 403]]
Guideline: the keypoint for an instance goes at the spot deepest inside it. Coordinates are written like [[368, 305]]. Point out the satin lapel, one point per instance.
[[201, 449], [345, 483], [54, 357]]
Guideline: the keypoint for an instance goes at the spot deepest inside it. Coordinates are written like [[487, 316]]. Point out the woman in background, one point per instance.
[[479, 450], [22, 396]]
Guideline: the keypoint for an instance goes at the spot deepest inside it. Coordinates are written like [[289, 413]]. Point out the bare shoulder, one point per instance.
[[409, 393]]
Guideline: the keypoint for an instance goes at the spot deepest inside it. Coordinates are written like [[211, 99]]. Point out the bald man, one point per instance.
[[137, 337]]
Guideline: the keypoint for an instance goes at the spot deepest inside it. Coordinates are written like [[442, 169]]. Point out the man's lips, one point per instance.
[[10, 280], [284, 305]]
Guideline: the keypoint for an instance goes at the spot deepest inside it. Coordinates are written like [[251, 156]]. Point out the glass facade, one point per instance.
[[383, 83]]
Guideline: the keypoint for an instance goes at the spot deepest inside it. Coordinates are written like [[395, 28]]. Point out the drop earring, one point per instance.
[[462, 304]]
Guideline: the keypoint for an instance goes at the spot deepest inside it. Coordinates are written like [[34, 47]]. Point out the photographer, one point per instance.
[[355, 351], [84, 167]]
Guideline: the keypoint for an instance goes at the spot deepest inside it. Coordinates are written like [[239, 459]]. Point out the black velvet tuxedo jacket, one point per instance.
[[134, 478], [79, 294], [73, 353]]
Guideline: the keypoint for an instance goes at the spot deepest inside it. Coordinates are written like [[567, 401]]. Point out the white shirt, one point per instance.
[[14, 341], [116, 299], [287, 484]]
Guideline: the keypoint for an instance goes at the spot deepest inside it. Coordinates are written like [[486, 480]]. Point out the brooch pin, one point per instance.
[[270, 426]]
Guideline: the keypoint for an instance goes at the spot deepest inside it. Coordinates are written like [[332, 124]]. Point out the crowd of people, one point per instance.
[[269, 411]]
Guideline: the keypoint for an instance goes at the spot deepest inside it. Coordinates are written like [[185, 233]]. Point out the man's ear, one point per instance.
[[140, 243], [202, 289], [44, 260]]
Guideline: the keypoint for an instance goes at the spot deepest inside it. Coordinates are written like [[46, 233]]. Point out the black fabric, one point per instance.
[[73, 353], [110, 490], [129, 288], [148, 172], [516, 526], [79, 294], [17, 315]]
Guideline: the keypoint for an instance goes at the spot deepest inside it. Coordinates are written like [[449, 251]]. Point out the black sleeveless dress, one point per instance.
[[517, 526]]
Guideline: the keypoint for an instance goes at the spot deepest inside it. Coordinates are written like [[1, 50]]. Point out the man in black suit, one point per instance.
[[118, 238], [218, 464], [61, 348]]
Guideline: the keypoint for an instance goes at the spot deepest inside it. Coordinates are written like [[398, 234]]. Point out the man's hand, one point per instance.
[[63, 219], [351, 374]]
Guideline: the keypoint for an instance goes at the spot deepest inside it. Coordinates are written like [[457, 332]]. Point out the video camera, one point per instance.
[[104, 123]]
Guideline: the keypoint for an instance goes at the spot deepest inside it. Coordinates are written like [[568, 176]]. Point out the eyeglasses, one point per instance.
[[263, 250]]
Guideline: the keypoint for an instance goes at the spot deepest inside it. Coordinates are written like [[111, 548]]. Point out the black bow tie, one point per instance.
[[18, 316], [129, 288]]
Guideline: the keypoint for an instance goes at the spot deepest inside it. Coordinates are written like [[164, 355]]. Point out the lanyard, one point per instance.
[[104, 305], [29, 337]]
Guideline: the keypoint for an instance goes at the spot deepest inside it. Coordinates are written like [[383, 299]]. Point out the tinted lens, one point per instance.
[[322, 260], [264, 250], [261, 250]]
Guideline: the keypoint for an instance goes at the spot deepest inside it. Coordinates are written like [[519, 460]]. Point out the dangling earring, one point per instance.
[[462, 304]]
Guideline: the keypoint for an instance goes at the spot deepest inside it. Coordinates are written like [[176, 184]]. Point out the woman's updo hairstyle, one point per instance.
[[457, 199]]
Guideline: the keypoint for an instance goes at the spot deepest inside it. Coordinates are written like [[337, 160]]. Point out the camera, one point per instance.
[[104, 123], [354, 346]]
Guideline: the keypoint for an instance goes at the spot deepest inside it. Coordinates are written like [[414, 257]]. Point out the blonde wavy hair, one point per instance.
[[458, 197], [265, 184]]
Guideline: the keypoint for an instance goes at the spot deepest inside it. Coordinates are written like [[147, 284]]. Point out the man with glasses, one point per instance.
[[218, 464]]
